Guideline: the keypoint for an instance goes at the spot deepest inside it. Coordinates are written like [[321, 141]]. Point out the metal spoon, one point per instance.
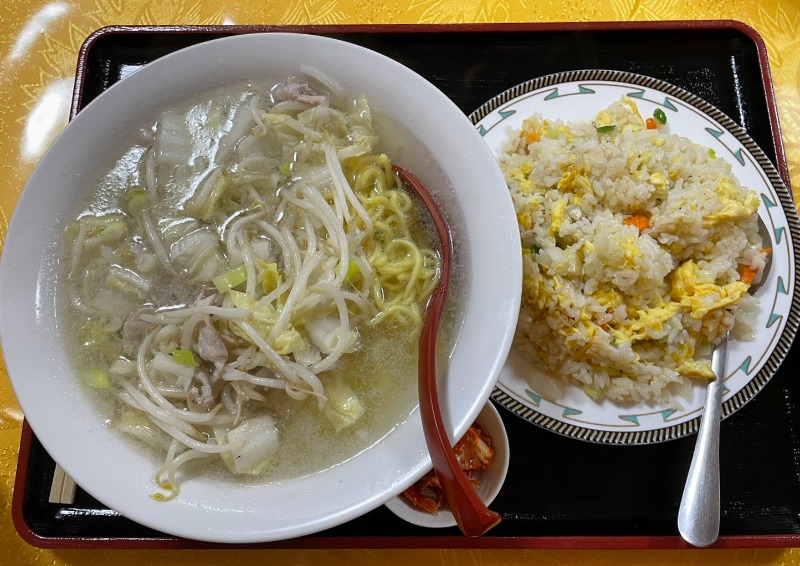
[[699, 512], [470, 512]]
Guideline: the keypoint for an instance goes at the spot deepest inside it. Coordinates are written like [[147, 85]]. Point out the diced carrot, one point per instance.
[[766, 250], [531, 137], [747, 274], [640, 221], [651, 124]]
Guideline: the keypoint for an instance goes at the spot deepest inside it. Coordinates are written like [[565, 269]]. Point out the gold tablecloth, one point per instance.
[[39, 49]]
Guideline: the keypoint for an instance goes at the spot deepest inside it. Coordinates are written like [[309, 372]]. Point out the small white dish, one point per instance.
[[491, 480]]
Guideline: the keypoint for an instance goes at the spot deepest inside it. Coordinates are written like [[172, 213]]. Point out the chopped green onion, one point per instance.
[[535, 248], [606, 129], [286, 169], [184, 357], [712, 154], [659, 115], [224, 282]]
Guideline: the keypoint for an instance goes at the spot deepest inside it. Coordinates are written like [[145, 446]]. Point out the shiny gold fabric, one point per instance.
[[39, 47]]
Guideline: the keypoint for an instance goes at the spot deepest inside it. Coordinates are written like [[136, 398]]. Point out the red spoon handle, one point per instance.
[[470, 512]]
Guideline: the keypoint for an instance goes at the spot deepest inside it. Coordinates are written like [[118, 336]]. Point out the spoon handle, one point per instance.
[[469, 510], [699, 513]]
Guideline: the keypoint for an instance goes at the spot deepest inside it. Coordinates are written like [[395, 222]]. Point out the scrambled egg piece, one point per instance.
[[574, 181], [635, 121], [567, 180], [631, 251], [609, 298], [557, 216], [534, 291], [519, 177], [628, 101], [637, 160], [687, 366], [555, 133], [701, 297], [516, 175], [732, 206], [604, 119], [658, 180], [580, 331], [650, 319], [694, 369], [524, 218]]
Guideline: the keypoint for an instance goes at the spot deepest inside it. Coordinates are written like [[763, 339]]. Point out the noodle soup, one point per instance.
[[216, 505], [247, 283]]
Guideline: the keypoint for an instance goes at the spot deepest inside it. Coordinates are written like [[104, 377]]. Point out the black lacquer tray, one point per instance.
[[559, 492]]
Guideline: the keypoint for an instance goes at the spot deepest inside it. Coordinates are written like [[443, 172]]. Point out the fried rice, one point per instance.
[[639, 247]]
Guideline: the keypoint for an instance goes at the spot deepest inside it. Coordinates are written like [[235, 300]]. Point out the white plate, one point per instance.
[[464, 179], [579, 95]]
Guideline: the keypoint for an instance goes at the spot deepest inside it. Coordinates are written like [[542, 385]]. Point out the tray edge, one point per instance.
[[413, 542]]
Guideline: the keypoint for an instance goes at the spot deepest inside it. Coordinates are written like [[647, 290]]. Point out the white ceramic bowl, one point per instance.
[[421, 130], [491, 481]]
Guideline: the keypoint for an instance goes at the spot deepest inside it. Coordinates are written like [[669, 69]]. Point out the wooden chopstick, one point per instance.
[[62, 488]]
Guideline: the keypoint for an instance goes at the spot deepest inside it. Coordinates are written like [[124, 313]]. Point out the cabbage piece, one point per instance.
[[289, 341], [268, 274], [324, 333], [343, 407], [135, 423], [241, 125], [257, 441], [362, 135], [197, 253], [174, 144], [111, 303], [263, 312], [99, 333], [325, 119], [307, 355]]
